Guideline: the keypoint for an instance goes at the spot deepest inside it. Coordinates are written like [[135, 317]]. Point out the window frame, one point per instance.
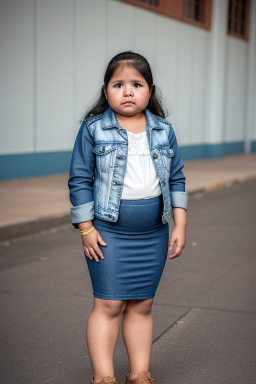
[[149, 7], [245, 36], [175, 9]]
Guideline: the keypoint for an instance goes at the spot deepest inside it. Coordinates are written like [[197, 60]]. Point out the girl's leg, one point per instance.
[[101, 333], [137, 329]]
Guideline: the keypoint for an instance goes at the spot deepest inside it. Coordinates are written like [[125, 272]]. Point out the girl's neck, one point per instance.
[[136, 123]]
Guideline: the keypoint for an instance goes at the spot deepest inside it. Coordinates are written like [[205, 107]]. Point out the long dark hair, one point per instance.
[[138, 62]]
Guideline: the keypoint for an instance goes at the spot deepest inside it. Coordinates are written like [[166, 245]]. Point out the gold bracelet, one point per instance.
[[86, 232]]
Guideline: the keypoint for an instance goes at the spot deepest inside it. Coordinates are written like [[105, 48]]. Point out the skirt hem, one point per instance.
[[123, 297]]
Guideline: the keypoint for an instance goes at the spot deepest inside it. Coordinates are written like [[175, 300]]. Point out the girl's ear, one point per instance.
[[104, 90]]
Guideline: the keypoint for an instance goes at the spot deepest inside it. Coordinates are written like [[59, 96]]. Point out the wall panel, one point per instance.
[[16, 76], [54, 55], [145, 39], [165, 75], [121, 30], [184, 81], [235, 89], [198, 86], [90, 49]]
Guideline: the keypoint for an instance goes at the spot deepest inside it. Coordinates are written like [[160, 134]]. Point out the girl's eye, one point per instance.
[[118, 85], [137, 85]]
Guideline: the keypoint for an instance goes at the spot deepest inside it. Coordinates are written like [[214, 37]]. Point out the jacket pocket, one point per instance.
[[167, 155], [167, 151], [105, 156]]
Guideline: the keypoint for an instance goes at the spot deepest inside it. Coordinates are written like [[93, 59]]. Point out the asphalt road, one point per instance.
[[204, 310]]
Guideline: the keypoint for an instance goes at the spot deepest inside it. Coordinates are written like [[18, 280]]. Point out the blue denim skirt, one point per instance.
[[135, 254]]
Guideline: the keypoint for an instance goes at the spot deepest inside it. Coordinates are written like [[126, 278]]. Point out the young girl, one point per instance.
[[125, 183]]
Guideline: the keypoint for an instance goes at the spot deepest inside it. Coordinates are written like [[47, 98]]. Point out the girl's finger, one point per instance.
[[173, 249], [87, 253], [98, 251], [171, 245], [177, 252], [93, 254], [100, 240]]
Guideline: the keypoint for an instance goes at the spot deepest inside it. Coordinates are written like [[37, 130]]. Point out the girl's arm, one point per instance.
[[177, 179], [179, 200], [91, 240], [81, 179], [178, 236], [85, 225]]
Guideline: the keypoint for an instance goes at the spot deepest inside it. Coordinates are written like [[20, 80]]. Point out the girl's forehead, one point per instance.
[[125, 71]]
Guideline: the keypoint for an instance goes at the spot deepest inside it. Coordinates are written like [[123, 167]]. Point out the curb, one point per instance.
[[221, 185], [11, 232]]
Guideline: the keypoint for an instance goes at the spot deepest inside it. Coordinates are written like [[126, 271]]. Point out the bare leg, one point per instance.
[[137, 329], [101, 333]]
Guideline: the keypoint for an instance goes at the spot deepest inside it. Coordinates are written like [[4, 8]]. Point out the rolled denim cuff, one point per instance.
[[179, 199], [81, 213]]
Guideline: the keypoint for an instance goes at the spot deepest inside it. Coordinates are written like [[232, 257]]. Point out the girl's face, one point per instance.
[[127, 92]]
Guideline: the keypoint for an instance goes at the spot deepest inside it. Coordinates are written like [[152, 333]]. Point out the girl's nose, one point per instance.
[[128, 91]]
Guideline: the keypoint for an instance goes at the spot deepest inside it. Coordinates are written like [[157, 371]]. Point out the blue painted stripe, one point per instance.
[[19, 166], [192, 152], [33, 164], [212, 151], [253, 146]]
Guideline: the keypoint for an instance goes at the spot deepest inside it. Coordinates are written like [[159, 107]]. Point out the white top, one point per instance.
[[140, 181]]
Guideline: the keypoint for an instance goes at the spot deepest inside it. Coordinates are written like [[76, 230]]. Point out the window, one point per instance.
[[154, 3], [238, 18], [196, 12], [194, 9]]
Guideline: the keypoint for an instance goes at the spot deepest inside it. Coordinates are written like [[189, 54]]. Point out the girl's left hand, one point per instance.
[[179, 237]]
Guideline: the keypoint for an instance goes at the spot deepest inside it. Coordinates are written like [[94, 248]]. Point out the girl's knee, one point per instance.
[[141, 307], [110, 308]]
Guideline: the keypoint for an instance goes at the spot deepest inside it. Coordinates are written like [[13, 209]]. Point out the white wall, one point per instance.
[[90, 50], [235, 90], [54, 74], [250, 121], [16, 76], [54, 53]]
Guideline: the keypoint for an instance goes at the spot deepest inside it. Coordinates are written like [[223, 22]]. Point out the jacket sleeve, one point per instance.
[[179, 197], [81, 177]]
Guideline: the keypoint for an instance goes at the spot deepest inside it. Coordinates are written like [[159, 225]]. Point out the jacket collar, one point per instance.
[[109, 120]]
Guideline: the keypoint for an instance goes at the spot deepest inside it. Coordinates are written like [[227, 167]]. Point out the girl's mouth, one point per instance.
[[128, 103]]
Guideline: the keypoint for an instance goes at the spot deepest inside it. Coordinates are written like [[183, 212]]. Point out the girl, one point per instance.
[[125, 183]]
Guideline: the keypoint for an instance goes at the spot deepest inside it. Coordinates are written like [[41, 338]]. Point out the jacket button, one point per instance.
[[155, 156], [102, 149], [163, 182]]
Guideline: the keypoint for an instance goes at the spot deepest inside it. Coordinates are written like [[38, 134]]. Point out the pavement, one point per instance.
[[30, 205], [204, 310]]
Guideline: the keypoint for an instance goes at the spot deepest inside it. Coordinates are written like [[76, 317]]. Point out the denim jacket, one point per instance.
[[98, 167]]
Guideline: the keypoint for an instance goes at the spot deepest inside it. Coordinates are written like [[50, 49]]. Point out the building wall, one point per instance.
[[53, 56], [16, 77]]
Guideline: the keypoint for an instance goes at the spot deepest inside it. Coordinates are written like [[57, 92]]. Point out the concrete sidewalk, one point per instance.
[[34, 204]]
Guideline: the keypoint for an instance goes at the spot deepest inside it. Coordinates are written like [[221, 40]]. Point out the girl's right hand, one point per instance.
[[90, 244]]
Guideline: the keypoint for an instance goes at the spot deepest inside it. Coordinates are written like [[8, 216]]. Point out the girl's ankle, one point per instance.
[[105, 379], [97, 379]]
